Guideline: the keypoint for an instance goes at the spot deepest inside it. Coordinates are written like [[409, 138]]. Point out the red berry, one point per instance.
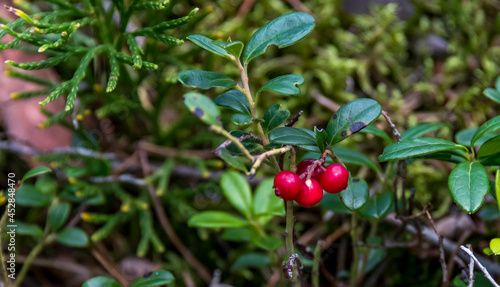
[[287, 185], [310, 194], [334, 179], [303, 165]]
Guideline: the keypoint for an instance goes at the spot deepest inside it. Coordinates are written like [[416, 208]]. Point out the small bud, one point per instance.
[[85, 216]]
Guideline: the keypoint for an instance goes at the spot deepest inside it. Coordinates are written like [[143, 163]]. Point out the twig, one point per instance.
[[328, 241], [471, 270], [294, 119], [236, 142], [227, 142], [299, 6], [395, 131], [257, 160], [481, 267], [288, 266], [442, 259], [324, 101], [317, 259], [167, 227], [110, 268], [125, 178], [245, 7]]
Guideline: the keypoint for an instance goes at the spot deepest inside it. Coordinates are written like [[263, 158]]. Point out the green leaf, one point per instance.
[[495, 245], [266, 242], [202, 107], [234, 48], [377, 132], [489, 212], [205, 79], [265, 202], [250, 144], [292, 136], [351, 156], [464, 137], [351, 118], [28, 229], [281, 32], [468, 183], [320, 136], [494, 95], [356, 194], [234, 161], [216, 219], [241, 120], [35, 171], [486, 128], [274, 117], [421, 129], [28, 195], [416, 147], [255, 260], [489, 152], [101, 281], [497, 188], [58, 213], [377, 206], [237, 191], [155, 278], [235, 100], [334, 203], [72, 236], [285, 85], [242, 234], [207, 44]]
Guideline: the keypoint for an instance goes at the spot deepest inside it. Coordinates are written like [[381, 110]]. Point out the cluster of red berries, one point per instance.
[[309, 191]]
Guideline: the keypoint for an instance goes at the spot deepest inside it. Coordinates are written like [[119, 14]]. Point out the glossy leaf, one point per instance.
[[58, 213], [274, 117], [237, 191], [464, 137], [377, 132], [28, 195], [235, 100], [356, 194], [334, 203], [351, 118], [377, 206], [255, 260], [416, 147], [241, 120], [216, 219], [489, 152], [265, 203], [234, 48], [101, 281], [320, 136], [242, 234], [234, 161], [250, 144], [285, 85], [36, 171], [494, 95], [454, 156], [495, 245], [202, 107], [281, 32], [421, 129], [155, 278], [486, 128], [72, 236], [28, 229], [206, 43], [351, 156], [205, 79], [269, 243], [292, 136], [468, 183]]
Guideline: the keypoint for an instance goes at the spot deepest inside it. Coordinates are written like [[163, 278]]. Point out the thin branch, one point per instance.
[[471, 270], [226, 134], [442, 259], [257, 160], [294, 119], [395, 131], [125, 178], [325, 102], [110, 268], [228, 142], [481, 267]]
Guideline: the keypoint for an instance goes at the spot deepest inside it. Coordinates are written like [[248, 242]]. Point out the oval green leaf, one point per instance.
[[281, 32], [489, 152], [351, 118], [234, 161], [155, 278], [320, 136], [377, 132], [351, 156], [235, 100], [488, 127], [265, 203], [421, 129], [377, 206], [28, 229], [28, 195], [202, 107], [234, 48], [36, 171], [255, 260], [334, 203], [205, 79], [101, 281], [416, 147], [206, 43], [468, 183], [241, 120], [285, 85], [72, 236], [58, 213], [216, 219], [464, 137], [237, 191], [292, 136], [274, 117], [356, 194], [242, 234], [495, 246], [494, 95]]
